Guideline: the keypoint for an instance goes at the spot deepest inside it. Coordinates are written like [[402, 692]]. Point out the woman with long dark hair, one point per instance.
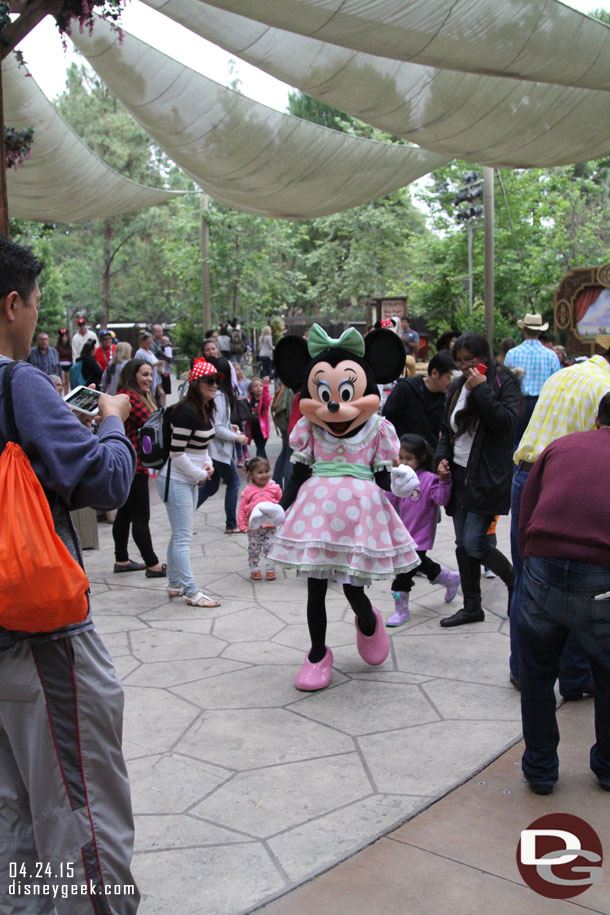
[[476, 445], [189, 465], [136, 381], [89, 367], [64, 348], [221, 448]]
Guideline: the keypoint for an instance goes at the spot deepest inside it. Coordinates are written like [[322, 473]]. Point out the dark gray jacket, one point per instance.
[[490, 465]]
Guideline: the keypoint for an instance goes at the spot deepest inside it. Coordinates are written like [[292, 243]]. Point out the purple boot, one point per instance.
[[401, 609], [450, 580]]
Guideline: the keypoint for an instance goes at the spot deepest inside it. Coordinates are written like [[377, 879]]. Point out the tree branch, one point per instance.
[[33, 13], [119, 246]]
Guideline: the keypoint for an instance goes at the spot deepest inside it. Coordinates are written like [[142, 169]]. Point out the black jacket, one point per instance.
[[411, 408], [490, 465]]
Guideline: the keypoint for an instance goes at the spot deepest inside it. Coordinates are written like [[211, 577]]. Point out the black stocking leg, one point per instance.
[[316, 617], [362, 607]]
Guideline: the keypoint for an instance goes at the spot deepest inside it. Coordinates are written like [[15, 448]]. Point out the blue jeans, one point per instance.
[[575, 669], [228, 473], [558, 598], [181, 504], [283, 468]]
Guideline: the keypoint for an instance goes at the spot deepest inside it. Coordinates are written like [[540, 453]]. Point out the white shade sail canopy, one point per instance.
[[242, 153], [492, 120], [539, 40], [62, 181]]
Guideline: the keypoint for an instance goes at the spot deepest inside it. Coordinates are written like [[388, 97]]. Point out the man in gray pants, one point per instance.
[[66, 827]]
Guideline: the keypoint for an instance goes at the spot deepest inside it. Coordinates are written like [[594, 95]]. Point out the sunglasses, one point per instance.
[[209, 379]]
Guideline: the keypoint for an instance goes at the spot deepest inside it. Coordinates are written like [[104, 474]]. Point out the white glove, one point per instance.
[[266, 513], [404, 481]]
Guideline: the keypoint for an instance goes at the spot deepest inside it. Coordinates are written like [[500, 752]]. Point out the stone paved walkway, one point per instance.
[[243, 787]]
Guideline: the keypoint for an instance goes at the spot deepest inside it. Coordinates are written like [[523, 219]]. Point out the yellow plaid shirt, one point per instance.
[[568, 403]]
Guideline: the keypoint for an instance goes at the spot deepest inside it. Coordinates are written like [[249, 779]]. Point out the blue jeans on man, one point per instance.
[[559, 598], [282, 472], [228, 473], [575, 667]]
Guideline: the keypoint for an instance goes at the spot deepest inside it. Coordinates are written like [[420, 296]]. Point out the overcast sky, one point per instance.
[[47, 61]]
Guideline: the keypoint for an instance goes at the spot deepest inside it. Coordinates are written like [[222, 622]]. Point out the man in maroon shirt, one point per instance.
[[564, 537]]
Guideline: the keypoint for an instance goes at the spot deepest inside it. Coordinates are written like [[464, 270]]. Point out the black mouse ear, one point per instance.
[[290, 359], [385, 354]]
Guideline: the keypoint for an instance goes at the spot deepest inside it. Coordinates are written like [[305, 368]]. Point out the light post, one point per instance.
[[471, 190]]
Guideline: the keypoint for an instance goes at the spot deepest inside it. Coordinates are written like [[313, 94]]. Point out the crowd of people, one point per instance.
[[480, 435]]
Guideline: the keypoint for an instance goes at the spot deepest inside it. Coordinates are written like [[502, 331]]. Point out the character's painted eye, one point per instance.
[[346, 391], [324, 392]]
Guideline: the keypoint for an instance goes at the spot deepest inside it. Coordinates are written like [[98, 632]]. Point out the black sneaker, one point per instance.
[[462, 617], [543, 788], [578, 694]]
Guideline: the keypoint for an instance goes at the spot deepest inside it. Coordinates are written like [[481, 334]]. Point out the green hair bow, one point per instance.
[[350, 340]]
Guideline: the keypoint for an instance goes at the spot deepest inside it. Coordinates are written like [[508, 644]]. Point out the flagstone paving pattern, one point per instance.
[[242, 786]]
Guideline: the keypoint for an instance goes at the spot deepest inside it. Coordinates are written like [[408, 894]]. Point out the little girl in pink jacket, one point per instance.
[[259, 425], [260, 488]]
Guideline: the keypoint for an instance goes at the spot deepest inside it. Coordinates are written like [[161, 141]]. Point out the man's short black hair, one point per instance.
[[442, 362], [19, 269], [603, 411]]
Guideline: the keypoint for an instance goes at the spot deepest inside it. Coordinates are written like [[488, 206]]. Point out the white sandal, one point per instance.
[[175, 592], [199, 599]]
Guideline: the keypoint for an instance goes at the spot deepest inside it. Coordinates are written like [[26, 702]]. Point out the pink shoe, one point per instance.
[[374, 648], [315, 676]]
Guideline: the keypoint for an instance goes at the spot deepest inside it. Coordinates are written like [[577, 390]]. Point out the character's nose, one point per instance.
[[333, 406]]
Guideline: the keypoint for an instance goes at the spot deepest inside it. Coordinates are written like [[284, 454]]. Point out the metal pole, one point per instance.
[[204, 202], [488, 210], [470, 283]]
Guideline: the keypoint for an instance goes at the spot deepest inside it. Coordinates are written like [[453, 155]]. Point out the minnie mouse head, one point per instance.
[[338, 378]]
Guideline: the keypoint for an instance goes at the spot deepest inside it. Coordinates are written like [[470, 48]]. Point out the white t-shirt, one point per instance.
[[79, 340], [463, 443]]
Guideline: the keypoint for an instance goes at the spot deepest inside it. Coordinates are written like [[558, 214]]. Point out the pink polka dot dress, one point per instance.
[[343, 527]]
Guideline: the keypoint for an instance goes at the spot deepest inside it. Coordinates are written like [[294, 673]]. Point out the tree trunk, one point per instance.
[[4, 228], [106, 272], [235, 283]]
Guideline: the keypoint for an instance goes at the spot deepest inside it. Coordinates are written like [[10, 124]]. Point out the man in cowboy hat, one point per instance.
[[536, 361]]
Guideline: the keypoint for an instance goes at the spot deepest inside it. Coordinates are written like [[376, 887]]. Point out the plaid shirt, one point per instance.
[[136, 419], [539, 363], [47, 362], [568, 403]]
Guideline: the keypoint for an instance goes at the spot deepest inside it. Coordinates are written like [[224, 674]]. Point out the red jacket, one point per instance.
[[136, 419], [263, 414], [104, 357]]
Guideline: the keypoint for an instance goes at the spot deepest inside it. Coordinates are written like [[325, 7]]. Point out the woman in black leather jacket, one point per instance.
[[477, 437]]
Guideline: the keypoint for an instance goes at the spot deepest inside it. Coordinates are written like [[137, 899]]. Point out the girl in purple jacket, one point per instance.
[[419, 513]]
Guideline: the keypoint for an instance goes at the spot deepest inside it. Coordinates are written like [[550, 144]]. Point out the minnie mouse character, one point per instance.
[[340, 526]]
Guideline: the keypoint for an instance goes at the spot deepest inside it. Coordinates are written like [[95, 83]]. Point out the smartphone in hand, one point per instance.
[[83, 400]]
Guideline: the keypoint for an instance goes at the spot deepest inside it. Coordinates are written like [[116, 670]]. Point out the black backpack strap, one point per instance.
[[7, 397], [169, 470]]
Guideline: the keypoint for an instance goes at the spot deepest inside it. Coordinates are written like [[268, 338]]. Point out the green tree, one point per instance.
[[547, 221], [110, 262]]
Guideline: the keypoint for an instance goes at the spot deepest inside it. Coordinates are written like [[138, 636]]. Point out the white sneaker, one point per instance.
[[490, 574]]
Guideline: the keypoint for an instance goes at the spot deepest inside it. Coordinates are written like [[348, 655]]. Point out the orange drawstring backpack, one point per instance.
[[42, 587]]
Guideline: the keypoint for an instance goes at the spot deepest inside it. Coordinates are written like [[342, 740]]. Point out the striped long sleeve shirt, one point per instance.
[[189, 446]]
